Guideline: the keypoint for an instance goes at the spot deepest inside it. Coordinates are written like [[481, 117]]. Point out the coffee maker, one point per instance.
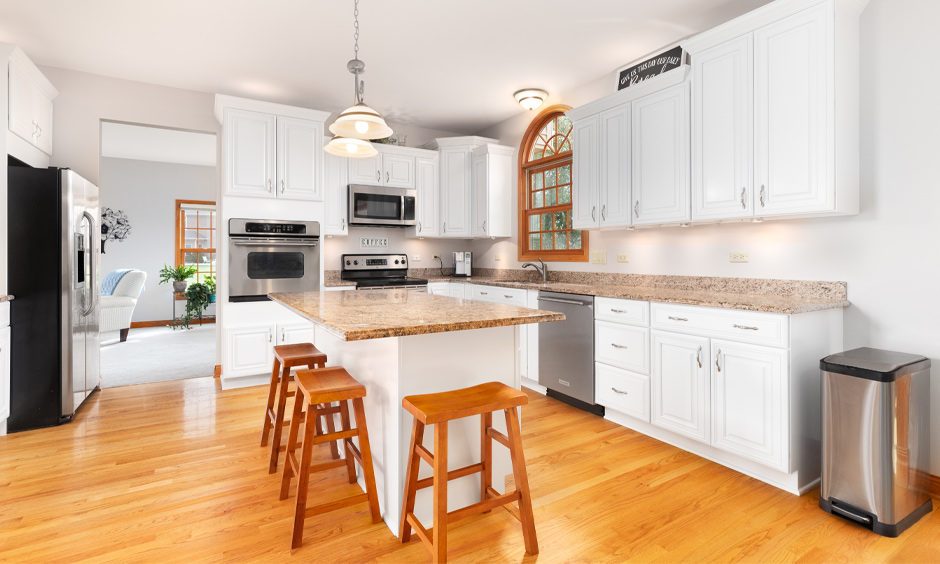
[[462, 263]]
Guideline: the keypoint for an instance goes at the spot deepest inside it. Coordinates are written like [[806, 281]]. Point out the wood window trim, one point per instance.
[[522, 185], [179, 237]]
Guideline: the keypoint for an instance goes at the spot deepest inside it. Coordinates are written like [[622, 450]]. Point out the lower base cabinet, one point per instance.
[[251, 349], [680, 384], [622, 390]]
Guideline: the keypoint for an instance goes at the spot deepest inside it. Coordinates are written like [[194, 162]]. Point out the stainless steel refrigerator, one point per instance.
[[52, 272]]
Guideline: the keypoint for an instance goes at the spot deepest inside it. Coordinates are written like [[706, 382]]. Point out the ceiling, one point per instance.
[[125, 141], [450, 65]]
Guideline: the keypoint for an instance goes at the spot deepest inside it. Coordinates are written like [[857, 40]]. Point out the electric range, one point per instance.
[[380, 272]]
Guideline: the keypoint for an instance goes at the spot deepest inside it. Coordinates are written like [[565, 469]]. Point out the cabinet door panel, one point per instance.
[[43, 109], [623, 391], [585, 161], [455, 193], [680, 384], [661, 155], [22, 115], [336, 195], [250, 349], [293, 333], [427, 178], [750, 401], [622, 346], [722, 106], [299, 159], [399, 171], [614, 194], [366, 170], [480, 196], [793, 94], [250, 141]]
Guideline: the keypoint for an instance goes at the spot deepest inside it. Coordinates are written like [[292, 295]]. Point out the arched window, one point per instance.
[[545, 191]]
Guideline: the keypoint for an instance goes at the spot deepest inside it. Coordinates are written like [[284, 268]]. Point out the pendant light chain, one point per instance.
[[356, 20]]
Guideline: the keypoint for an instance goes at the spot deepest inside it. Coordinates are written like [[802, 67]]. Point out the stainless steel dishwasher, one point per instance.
[[566, 350]]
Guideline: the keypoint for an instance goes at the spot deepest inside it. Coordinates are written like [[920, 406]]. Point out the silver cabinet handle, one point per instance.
[[604, 213], [593, 216], [282, 334], [619, 391], [270, 336], [507, 296], [270, 185], [745, 327], [636, 211], [484, 225], [378, 176], [445, 227], [484, 293], [282, 186], [619, 311], [616, 346], [761, 195], [717, 356], [677, 318], [743, 205], [420, 229], [698, 356], [386, 177], [344, 223]]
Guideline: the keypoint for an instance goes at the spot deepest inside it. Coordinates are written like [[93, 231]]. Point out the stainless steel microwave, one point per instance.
[[380, 206]]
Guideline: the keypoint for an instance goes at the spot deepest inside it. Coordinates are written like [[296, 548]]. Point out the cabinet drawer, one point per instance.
[[630, 312], [623, 391], [622, 346], [508, 296], [770, 329]]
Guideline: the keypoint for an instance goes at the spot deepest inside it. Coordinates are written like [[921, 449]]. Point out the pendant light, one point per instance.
[[357, 123]]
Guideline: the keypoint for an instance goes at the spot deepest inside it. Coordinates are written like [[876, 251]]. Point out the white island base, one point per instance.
[[395, 367]]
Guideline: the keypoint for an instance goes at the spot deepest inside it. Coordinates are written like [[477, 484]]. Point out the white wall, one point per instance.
[[888, 254], [147, 192]]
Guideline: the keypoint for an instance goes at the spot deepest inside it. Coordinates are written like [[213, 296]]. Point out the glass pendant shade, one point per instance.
[[350, 147], [360, 122], [530, 98]]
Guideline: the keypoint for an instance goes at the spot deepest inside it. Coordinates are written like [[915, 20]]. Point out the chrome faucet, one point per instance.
[[543, 271]]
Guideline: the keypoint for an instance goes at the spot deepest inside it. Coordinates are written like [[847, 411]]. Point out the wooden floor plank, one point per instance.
[[172, 472]]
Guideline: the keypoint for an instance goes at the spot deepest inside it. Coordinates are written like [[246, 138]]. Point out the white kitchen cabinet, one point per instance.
[[455, 193], [680, 384], [491, 188], [294, 333], [722, 131], [366, 170], [585, 163], [270, 156], [793, 121], [458, 290], [439, 288], [250, 349], [30, 102], [660, 157], [622, 346], [427, 183], [335, 195], [622, 390], [388, 168], [750, 402]]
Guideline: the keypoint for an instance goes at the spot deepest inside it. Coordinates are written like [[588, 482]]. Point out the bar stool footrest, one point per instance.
[[338, 504], [453, 475]]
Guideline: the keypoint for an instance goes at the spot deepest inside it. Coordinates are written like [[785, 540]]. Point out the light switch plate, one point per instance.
[[623, 257], [415, 258], [373, 242], [599, 257], [499, 258], [738, 256]]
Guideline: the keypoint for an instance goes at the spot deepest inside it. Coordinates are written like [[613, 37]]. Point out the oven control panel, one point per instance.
[[375, 262], [266, 227]]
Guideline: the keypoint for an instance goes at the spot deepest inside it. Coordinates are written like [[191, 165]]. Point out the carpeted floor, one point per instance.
[[158, 354]]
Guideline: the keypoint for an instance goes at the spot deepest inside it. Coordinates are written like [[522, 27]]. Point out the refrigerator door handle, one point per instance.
[[93, 286]]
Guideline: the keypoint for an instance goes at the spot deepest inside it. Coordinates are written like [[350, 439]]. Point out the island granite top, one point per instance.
[[375, 314]]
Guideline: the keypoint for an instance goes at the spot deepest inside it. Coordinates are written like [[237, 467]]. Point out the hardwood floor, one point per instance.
[[172, 472]]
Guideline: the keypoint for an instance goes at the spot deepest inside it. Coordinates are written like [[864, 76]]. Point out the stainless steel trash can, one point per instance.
[[876, 438]]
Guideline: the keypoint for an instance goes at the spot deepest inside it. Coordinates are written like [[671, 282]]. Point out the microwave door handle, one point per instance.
[[402, 218]]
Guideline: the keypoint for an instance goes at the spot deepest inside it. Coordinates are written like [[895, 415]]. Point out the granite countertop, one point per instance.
[[356, 316]]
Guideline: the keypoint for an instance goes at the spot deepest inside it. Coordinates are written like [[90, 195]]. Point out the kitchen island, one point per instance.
[[398, 343]]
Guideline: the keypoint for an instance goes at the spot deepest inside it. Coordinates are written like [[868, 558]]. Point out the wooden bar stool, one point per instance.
[[285, 358], [438, 409], [316, 388]]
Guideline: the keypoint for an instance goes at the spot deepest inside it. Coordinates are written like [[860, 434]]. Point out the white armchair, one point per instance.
[[117, 309]]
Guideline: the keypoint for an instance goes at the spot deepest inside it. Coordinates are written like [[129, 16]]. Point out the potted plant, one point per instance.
[[179, 275], [209, 281], [197, 300]]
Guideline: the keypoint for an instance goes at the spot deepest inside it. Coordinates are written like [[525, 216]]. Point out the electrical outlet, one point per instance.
[[499, 258], [415, 258], [623, 257], [435, 257], [599, 257], [738, 256]]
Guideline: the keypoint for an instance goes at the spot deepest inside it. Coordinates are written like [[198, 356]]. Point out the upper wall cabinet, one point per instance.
[[335, 194], [388, 168], [427, 183], [491, 179], [266, 155], [30, 107]]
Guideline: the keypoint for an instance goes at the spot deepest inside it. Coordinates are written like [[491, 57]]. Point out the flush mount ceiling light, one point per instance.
[[357, 123], [530, 98]]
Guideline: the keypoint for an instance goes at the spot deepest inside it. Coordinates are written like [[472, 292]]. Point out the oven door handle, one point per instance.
[[256, 243]]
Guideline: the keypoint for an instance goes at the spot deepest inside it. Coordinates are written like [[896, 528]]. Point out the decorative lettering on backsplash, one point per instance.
[[373, 242], [651, 67]]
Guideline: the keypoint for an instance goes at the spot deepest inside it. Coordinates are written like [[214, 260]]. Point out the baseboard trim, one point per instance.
[[162, 323]]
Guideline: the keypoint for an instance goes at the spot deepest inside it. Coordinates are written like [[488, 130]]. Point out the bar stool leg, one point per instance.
[[303, 477], [521, 479], [350, 463], [486, 455], [331, 428], [411, 481], [279, 420], [366, 452], [266, 428], [290, 459], [439, 532]]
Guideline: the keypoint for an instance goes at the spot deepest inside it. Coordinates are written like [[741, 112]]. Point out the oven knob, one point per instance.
[[396, 262], [355, 262], [347, 263]]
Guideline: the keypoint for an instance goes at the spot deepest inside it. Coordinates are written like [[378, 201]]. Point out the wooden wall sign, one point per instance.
[[654, 66]]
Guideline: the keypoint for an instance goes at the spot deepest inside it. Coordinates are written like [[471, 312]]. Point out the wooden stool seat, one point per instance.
[[315, 389], [438, 409], [285, 358]]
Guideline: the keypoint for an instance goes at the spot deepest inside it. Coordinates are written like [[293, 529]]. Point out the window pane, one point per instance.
[[564, 174], [189, 259], [204, 242], [575, 239], [534, 241], [547, 241], [537, 200], [550, 197], [561, 222], [550, 177], [564, 125], [534, 222], [546, 222], [204, 220], [189, 233], [190, 220], [536, 154], [537, 181], [565, 147], [561, 240], [564, 194]]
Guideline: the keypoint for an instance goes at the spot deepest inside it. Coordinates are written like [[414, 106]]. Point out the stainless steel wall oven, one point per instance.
[[272, 256]]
